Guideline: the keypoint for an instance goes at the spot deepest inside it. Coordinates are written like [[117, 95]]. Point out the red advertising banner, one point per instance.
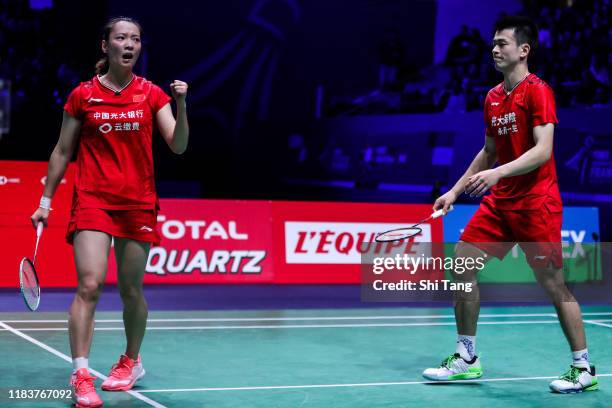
[[21, 185], [210, 241]]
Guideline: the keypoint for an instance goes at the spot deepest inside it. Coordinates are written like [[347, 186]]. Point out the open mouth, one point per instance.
[[128, 56]]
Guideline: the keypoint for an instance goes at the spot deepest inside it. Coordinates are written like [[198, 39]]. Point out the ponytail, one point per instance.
[[102, 65]]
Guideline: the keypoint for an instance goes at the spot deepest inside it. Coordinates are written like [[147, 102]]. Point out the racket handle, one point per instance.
[[39, 229], [438, 213]]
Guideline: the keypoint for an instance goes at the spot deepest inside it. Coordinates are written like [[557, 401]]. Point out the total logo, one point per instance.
[[200, 229], [6, 180], [164, 261]]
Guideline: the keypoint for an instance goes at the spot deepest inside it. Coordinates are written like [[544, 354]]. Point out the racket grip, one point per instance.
[[438, 213], [39, 228]]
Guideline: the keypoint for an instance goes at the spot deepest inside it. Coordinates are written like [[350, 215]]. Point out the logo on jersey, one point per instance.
[[145, 228], [138, 98], [105, 128], [95, 100], [505, 124], [494, 103]]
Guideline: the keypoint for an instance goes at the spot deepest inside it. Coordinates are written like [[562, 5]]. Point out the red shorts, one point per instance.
[[537, 231], [139, 225]]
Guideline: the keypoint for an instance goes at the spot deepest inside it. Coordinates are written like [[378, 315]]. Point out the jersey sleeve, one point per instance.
[[541, 102], [158, 98], [74, 105]]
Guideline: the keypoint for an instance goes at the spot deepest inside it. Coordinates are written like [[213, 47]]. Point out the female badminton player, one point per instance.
[[110, 118]]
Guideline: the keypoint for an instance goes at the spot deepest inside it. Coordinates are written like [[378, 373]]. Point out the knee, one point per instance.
[[464, 275], [130, 292], [549, 279], [90, 289], [558, 293], [554, 285], [465, 271]]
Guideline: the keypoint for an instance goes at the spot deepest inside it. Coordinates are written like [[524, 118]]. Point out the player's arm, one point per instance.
[[60, 157], [533, 158], [175, 132], [485, 159]]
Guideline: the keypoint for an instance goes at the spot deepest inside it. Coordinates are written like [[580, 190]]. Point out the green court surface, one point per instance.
[[312, 358]]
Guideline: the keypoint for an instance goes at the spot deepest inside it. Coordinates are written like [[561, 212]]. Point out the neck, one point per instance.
[[512, 78], [118, 77]]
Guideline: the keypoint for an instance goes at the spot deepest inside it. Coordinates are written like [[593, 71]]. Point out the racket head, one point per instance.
[[398, 234], [28, 282]]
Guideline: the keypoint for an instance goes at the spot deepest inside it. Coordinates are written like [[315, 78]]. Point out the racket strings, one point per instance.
[[399, 234], [29, 284]]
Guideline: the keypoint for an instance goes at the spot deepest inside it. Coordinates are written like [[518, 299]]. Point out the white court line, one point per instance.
[[298, 318], [378, 384], [598, 323], [301, 326], [61, 355]]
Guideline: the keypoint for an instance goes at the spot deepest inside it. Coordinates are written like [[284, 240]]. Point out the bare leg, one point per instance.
[[568, 309], [467, 305], [91, 250], [131, 262]]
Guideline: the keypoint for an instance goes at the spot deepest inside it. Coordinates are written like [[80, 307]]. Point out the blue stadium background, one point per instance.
[[361, 100]]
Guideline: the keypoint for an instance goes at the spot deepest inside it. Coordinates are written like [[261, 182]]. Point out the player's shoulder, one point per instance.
[[537, 84], [497, 91], [140, 80], [84, 89], [85, 85], [144, 82]]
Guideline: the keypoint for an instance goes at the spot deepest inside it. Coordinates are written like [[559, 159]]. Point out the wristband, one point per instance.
[[45, 202]]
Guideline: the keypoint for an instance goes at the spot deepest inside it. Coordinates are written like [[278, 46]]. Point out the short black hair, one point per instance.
[[525, 30]]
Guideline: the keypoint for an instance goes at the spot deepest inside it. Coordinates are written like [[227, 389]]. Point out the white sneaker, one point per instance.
[[455, 368], [576, 380]]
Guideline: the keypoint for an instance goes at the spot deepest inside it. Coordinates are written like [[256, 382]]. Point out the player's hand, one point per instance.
[[40, 215], [445, 201], [480, 183], [179, 90]]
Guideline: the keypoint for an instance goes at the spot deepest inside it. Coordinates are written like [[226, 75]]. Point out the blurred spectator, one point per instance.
[[40, 76], [596, 80], [461, 48], [573, 56], [391, 55]]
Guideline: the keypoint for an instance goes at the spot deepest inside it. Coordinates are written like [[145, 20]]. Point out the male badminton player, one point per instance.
[[524, 205], [111, 118]]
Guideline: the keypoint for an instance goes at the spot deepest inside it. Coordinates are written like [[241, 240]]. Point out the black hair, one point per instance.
[[525, 30]]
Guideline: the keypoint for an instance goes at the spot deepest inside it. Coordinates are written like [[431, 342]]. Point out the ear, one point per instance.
[[525, 49], [104, 47]]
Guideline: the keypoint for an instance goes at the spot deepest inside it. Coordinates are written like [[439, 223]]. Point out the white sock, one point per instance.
[[78, 363], [466, 346], [581, 358]]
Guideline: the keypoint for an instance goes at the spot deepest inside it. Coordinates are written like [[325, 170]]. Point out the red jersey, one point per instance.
[[114, 159], [510, 119]]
